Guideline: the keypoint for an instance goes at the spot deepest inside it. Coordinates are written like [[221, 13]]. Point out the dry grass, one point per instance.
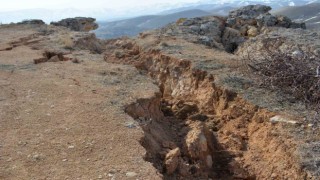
[[67, 41], [294, 73]]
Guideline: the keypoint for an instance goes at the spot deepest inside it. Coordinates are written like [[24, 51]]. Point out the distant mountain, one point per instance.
[[208, 5], [310, 14], [132, 26], [219, 9]]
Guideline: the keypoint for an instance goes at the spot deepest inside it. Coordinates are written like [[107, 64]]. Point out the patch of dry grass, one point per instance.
[[66, 40]]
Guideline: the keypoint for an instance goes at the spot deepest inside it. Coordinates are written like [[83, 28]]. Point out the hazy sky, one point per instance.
[[110, 4]]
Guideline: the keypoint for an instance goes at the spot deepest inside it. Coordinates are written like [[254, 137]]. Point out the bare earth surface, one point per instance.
[[65, 120]]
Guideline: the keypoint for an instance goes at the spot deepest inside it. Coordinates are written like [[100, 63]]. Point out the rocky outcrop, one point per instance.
[[32, 21], [258, 16], [227, 33], [249, 12], [78, 24]]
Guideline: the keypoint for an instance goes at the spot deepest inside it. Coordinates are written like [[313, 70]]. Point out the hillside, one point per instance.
[[133, 26], [310, 14]]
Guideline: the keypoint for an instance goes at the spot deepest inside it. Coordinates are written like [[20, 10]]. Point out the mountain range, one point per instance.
[[309, 13], [298, 10], [116, 23], [132, 26]]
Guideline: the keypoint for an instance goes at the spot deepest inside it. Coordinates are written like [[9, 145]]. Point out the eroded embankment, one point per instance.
[[196, 129]]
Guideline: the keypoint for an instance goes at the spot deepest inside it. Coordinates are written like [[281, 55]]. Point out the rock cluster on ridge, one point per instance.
[[227, 33], [32, 21], [77, 23]]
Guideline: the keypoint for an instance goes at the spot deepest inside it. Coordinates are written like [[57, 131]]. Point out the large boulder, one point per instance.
[[78, 24], [249, 12]]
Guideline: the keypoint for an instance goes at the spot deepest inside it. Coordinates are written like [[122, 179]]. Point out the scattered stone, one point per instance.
[[310, 125], [172, 160], [54, 59], [252, 31], [282, 119], [297, 54], [196, 143], [209, 161], [131, 174], [130, 125]]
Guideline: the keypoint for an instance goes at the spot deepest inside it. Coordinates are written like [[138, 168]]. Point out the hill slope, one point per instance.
[[310, 14], [131, 27]]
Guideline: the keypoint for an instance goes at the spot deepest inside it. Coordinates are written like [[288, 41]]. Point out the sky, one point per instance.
[[53, 10], [84, 4]]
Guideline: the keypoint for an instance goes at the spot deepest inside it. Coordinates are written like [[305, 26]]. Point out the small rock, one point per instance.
[[130, 125], [54, 59], [310, 125], [131, 174], [172, 160], [281, 119], [252, 31], [209, 161], [36, 157], [274, 175], [64, 160], [297, 54], [112, 171]]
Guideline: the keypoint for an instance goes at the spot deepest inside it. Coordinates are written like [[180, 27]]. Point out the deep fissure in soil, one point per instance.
[[195, 129]]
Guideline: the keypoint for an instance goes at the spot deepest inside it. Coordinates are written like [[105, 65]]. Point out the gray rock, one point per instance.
[[283, 21], [188, 22], [207, 41], [32, 21], [195, 29], [251, 11], [266, 20], [77, 23], [298, 25], [131, 174], [297, 54]]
